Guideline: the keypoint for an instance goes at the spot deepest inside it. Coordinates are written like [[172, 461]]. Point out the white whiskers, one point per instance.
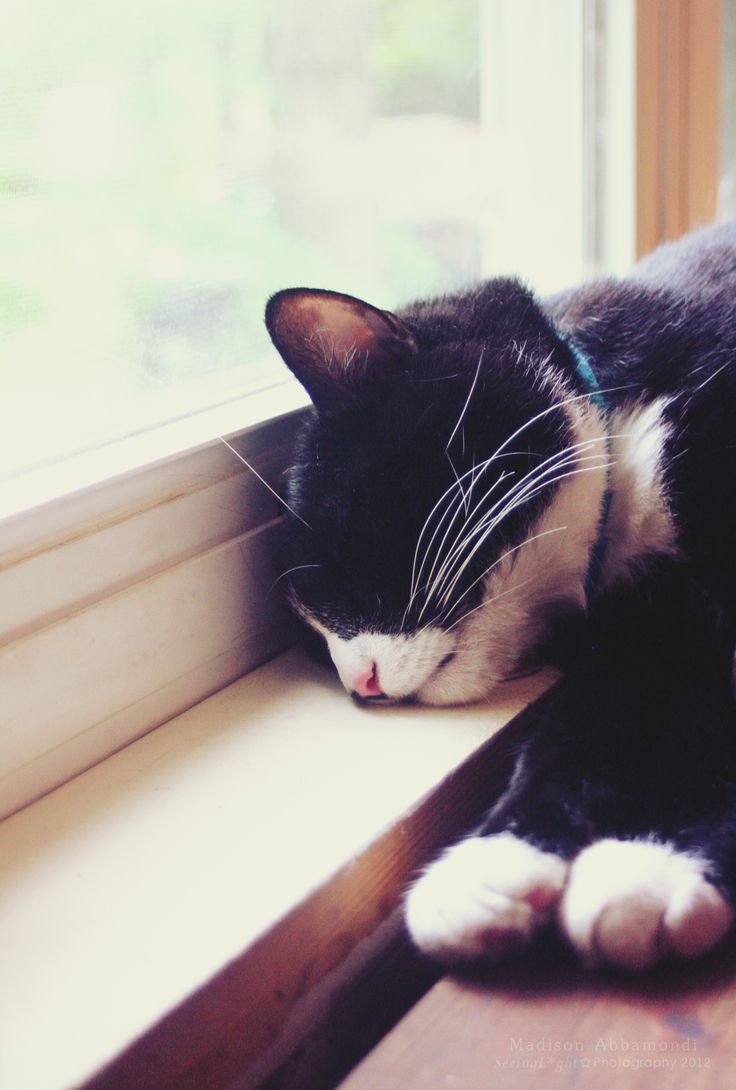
[[467, 401], [458, 563], [289, 571], [451, 563], [491, 567], [255, 473], [449, 498], [520, 493], [465, 515]]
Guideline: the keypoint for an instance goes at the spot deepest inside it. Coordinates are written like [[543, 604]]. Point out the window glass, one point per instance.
[[166, 164]]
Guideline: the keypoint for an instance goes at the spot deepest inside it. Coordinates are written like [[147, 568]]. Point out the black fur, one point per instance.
[[639, 738], [370, 461]]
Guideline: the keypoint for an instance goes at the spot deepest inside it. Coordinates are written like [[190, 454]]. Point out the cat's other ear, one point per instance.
[[335, 344]]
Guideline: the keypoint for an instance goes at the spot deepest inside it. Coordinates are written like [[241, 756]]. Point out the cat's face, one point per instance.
[[443, 504]]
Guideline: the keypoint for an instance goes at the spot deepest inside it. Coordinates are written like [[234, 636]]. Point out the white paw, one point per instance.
[[483, 898], [633, 902]]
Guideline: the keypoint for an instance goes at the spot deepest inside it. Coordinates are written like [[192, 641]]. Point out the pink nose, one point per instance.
[[367, 683]]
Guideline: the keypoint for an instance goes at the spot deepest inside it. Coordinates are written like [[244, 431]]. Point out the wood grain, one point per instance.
[[678, 93], [543, 1021]]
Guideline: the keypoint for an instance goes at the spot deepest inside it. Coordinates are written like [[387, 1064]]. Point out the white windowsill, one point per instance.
[[127, 889]]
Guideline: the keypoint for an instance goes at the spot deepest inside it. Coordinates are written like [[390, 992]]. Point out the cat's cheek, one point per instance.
[[456, 687], [472, 675]]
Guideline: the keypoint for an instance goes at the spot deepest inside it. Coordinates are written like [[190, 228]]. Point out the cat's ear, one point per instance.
[[335, 344]]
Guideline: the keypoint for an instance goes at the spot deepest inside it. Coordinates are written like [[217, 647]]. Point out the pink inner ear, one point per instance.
[[332, 341], [338, 329], [349, 335]]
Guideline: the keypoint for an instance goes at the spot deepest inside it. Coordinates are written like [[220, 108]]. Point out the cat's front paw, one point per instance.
[[633, 902], [484, 898]]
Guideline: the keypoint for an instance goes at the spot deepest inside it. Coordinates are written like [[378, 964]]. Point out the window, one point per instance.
[[165, 168], [128, 600]]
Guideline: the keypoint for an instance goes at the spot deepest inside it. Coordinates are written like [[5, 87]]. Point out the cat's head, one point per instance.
[[445, 488]]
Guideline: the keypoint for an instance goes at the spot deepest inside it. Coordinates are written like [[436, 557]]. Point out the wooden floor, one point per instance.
[[544, 1022]]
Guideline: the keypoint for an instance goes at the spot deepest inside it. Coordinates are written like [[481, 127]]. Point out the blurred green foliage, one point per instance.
[[145, 213], [427, 56]]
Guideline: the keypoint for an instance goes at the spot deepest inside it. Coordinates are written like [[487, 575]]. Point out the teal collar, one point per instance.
[[598, 552]]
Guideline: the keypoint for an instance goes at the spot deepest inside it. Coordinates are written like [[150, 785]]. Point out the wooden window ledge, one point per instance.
[[543, 1021]]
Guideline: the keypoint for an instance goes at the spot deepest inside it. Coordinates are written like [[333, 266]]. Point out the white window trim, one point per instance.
[[130, 598]]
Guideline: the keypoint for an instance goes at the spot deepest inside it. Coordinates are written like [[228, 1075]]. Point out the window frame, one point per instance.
[[117, 501], [678, 132], [129, 599]]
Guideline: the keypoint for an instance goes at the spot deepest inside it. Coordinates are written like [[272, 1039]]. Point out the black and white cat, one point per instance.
[[489, 479]]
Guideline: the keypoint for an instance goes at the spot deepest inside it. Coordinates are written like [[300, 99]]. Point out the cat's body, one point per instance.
[[489, 479]]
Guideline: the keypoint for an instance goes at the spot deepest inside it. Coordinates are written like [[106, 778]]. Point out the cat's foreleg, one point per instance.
[[603, 828], [486, 897], [664, 883]]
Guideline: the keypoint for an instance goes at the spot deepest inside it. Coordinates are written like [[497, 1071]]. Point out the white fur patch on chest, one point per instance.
[[639, 520]]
